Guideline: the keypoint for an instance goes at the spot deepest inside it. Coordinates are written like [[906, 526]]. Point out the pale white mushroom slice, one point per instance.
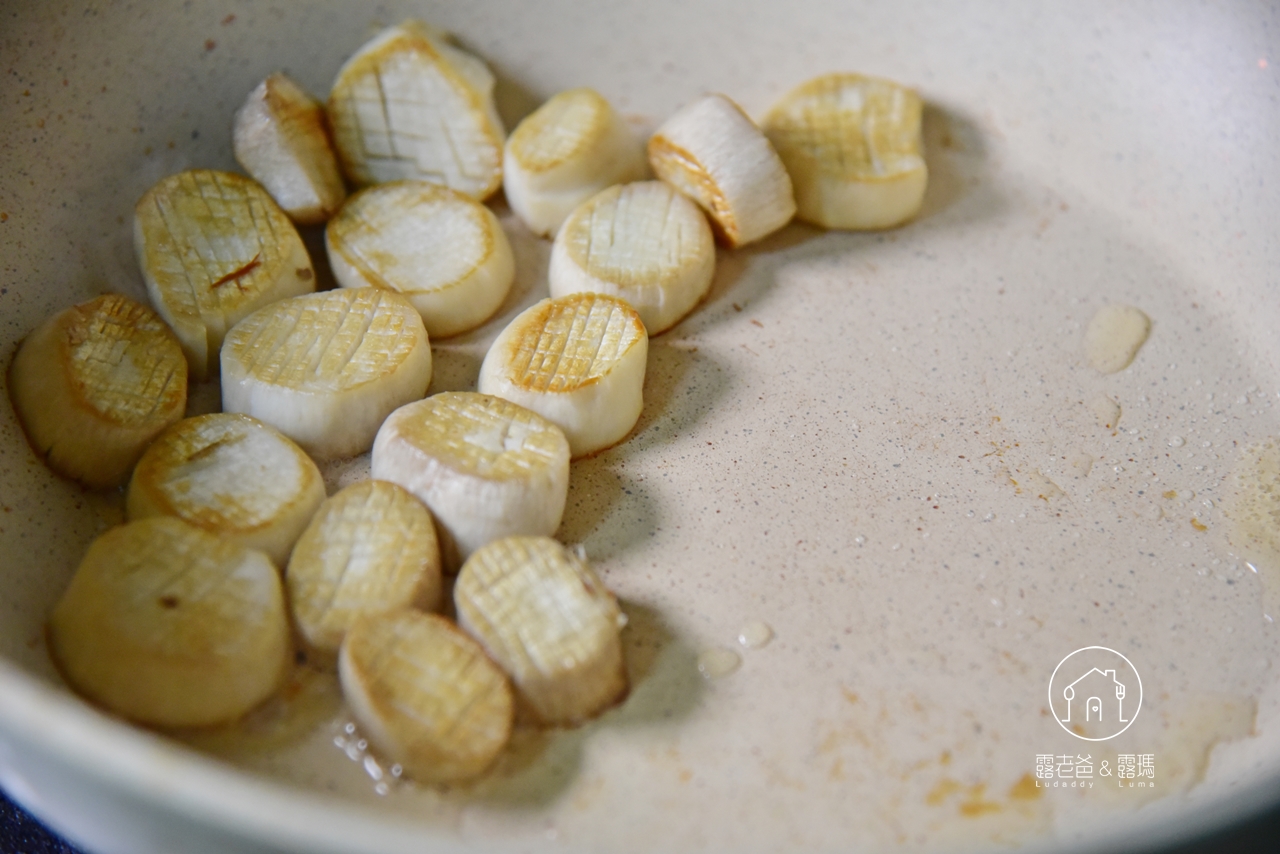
[[540, 611], [214, 247], [852, 146], [644, 243], [369, 549], [94, 384], [325, 369], [563, 153], [578, 361], [171, 626], [231, 475], [442, 250], [281, 138], [410, 105], [486, 468], [426, 695], [714, 154]]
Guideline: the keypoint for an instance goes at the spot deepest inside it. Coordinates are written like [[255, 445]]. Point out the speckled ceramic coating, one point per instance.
[[884, 447]]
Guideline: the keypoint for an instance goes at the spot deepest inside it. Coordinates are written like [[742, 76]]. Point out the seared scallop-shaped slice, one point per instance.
[[325, 369], [426, 695], [214, 247], [408, 104], [852, 147], [579, 362], [540, 611], [563, 153], [710, 151], [171, 626], [94, 384], [369, 549], [486, 467], [643, 243], [443, 251], [231, 475], [281, 139]]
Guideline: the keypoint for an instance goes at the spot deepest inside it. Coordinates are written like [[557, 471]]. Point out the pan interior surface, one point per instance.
[[879, 493]]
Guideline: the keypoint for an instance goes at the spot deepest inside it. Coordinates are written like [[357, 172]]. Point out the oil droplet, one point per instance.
[[1114, 336], [718, 662], [755, 634], [1176, 441], [1254, 512], [1106, 411]]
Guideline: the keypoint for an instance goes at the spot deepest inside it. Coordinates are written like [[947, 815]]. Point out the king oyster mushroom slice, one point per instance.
[[644, 243], [411, 105], [426, 695], [563, 153], [541, 612], [281, 138], [325, 369], [714, 154], [446, 253], [231, 475], [852, 147], [577, 360], [486, 467], [94, 384], [213, 248], [172, 626]]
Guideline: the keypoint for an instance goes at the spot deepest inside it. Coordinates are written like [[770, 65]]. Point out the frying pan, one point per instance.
[[883, 446]]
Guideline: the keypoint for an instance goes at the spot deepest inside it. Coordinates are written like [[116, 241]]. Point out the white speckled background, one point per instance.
[[880, 445]]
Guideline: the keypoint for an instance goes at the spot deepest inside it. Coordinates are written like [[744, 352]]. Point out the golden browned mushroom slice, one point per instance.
[[408, 104], [578, 361], [541, 612], [172, 626], [643, 243], [563, 153], [94, 384], [710, 151], [426, 695], [280, 137], [214, 247], [486, 467], [325, 369], [369, 549], [230, 475], [852, 146], [443, 251]]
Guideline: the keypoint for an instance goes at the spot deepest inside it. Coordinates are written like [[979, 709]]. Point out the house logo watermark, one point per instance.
[[1095, 693]]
